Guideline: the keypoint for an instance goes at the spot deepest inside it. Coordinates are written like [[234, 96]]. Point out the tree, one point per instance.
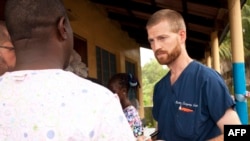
[[152, 72]]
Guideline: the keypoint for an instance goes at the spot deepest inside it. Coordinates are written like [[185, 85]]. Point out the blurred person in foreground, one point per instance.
[[7, 52], [41, 101], [191, 102], [122, 84]]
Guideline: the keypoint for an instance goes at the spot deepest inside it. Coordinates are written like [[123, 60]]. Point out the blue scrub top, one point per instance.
[[189, 109]]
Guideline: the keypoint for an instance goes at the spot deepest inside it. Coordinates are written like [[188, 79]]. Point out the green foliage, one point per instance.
[[152, 72], [225, 50], [248, 2], [246, 27], [246, 33]]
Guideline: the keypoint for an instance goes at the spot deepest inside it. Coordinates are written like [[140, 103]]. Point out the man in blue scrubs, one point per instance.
[[192, 102]]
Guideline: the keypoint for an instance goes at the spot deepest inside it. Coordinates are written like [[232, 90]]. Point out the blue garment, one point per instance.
[[189, 109]]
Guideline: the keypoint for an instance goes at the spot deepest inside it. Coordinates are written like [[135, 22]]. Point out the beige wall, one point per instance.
[[91, 23]]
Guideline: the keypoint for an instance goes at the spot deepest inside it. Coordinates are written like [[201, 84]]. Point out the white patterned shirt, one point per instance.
[[55, 105]]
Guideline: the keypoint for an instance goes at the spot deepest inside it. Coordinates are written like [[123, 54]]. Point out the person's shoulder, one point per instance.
[[205, 69], [89, 89], [204, 72], [131, 110], [72, 82], [84, 82]]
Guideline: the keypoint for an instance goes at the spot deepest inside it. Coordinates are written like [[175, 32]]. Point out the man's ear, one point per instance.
[[183, 36], [61, 26]]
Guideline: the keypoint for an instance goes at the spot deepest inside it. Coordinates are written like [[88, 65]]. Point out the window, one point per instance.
[[106, 65], [80, 45], [130, 67]]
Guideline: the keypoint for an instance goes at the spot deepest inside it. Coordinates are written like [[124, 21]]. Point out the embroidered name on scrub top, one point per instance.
[[186, 107]]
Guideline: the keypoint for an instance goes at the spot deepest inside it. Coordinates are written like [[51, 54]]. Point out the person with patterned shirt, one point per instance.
[[39, 100], [121, 84]]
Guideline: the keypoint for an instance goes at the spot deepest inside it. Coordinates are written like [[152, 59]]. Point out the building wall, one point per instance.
[[90, 22]]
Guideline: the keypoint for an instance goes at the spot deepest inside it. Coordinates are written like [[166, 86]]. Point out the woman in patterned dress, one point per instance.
[[122, 84]]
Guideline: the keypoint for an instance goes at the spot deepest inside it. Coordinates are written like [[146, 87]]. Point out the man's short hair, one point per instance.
[[175, 19], [23, 16]]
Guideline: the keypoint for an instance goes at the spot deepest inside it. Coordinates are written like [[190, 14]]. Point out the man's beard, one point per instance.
[[170, 56]]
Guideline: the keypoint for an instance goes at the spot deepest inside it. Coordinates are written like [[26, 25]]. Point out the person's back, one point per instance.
[[53, 104], [41, 101], [7, 53]]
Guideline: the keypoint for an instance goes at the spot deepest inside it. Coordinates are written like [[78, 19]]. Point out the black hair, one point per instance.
[[22, 16], [129, 82], [125, 80]]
